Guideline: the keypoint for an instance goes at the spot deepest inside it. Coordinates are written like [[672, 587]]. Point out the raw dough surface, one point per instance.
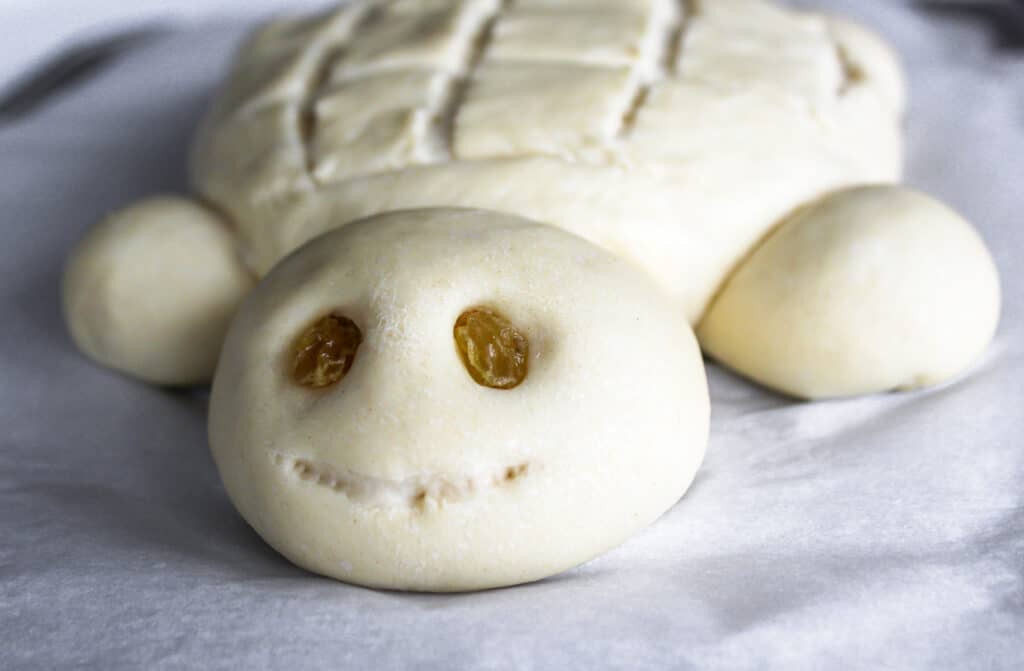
[[409, 474], [672, 133], [871, 288], [151, 290]]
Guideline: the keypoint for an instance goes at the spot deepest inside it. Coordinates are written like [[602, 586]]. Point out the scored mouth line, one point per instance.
[[418, 492]]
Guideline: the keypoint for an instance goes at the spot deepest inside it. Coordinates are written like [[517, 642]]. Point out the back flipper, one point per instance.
[[867, 290]]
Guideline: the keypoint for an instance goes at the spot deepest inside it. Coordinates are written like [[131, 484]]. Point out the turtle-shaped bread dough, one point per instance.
[[744, 157], [448, 400]]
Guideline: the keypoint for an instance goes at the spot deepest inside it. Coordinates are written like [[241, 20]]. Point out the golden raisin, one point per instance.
[[493, 350], [324, 352]]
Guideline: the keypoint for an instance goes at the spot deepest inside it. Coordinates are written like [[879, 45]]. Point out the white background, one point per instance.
[[884, 532], [31, 29]]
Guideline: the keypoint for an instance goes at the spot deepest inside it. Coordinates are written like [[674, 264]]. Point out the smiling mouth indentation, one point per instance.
[[416, 492]]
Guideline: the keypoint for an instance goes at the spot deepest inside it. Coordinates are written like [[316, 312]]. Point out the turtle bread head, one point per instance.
[[455, 399]]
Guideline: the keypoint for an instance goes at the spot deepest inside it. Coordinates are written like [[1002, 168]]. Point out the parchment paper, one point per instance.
[[882, 532]]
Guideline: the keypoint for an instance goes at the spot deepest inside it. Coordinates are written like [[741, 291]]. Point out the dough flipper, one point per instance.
[[151, 291], [867, 290]]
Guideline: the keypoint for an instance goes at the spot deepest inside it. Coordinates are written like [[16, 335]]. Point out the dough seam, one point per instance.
[[418, 492], [327, 53], [660, 62], [853, 75], [436, 144], [443, 125]]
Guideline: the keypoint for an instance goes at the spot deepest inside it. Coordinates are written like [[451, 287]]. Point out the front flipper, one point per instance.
[[151, 290], [869, 289]]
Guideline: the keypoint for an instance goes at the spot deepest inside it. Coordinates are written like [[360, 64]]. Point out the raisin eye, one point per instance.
[[493, 350], [324, 352]]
